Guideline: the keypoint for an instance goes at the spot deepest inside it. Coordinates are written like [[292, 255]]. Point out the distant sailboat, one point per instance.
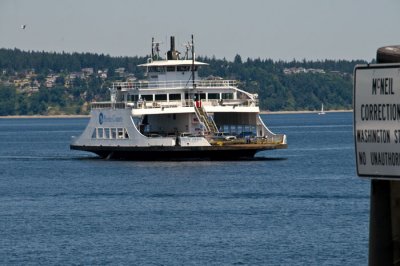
[[322, 110]]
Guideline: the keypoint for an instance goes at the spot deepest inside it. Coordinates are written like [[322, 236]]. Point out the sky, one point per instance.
[[274, 29]]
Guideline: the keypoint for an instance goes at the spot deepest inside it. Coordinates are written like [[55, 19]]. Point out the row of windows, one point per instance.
[[214, 96], [158, 97], [171, 69], [110, 133], [177, 97]]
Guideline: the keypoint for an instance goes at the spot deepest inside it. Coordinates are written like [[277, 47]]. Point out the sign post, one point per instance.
[[376, 104]]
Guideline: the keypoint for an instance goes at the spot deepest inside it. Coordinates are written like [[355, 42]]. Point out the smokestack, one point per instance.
[[172, 43], [172, 54]]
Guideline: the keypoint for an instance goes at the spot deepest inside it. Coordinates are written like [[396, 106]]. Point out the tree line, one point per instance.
[[277, 91]]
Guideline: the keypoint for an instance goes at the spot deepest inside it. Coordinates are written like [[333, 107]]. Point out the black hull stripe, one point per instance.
[[178, 153]]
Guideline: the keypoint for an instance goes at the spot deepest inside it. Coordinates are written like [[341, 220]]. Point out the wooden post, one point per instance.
[[395, 212], [384, 238], [380, 224]]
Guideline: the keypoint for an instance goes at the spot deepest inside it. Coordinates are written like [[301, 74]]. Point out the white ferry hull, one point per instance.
[[139, 147]]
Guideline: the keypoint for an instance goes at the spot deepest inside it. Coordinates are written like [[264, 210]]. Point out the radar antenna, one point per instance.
[[188, 47], [155, 49]]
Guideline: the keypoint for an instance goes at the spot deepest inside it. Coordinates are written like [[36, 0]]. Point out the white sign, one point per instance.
[[377, 120]]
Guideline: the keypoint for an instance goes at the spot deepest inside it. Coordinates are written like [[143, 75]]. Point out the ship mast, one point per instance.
[[155, 49], [152, 48], [193, 71]]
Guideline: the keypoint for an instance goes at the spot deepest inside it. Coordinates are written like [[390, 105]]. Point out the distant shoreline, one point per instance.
[[87, 116], [304, 112], [42, 116]]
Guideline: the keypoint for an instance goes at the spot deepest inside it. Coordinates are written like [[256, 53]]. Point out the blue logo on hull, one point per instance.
[[101, 118]]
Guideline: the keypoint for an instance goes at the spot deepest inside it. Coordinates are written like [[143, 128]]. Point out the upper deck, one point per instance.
[[176, 85], [169, 63], [173, 94]]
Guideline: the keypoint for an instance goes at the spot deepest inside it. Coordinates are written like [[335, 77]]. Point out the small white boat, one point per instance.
[[322, 110]]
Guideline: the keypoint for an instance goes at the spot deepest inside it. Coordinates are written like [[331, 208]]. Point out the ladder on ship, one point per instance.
[[206, 119]]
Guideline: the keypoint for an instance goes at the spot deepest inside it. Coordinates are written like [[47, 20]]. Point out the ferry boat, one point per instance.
[[174, 114]]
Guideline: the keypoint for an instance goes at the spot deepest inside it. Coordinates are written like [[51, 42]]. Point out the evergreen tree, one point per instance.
[[8, 97]]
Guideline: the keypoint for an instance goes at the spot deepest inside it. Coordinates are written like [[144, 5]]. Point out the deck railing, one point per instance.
[[175, 84], [173, 104], [276, 139], [102, 105]]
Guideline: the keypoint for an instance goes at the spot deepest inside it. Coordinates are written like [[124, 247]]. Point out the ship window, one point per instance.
[[156, 69], [133, 98], [120, 133], [190, 96], [100, 132], [227, 95], [174, 97], [213, 96], [106, 133], [170, 68], [161, 97], [183, 68], [147, 97], [113, 133], [110, 133]]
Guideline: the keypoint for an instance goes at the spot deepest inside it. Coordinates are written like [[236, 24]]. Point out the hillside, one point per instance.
[[62, 83]]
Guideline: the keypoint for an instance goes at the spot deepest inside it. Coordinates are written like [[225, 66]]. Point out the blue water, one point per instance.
[[300, 206]]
